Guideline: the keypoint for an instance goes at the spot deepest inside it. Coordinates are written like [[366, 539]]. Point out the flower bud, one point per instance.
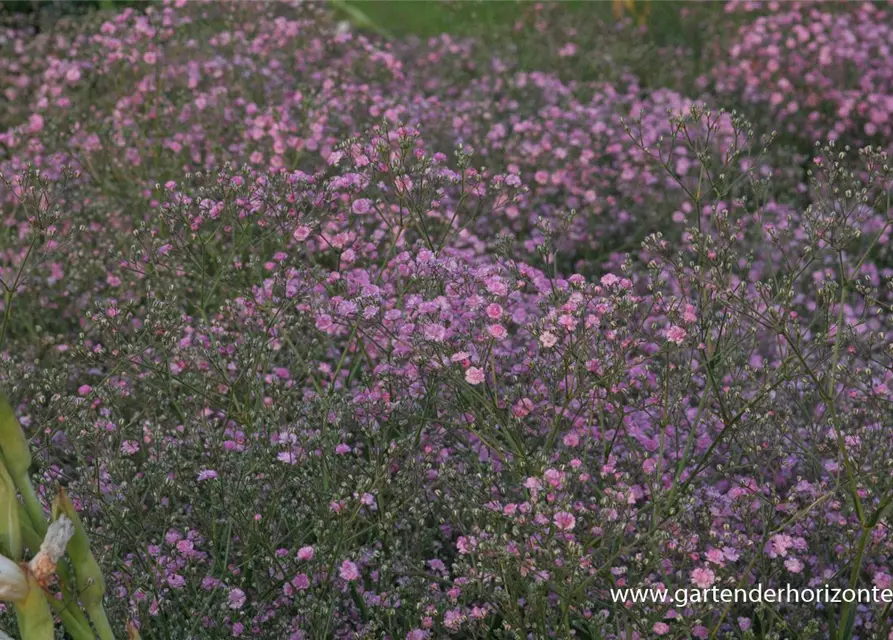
[[13, 583], [13, 443], [43, 565], [10, 525]]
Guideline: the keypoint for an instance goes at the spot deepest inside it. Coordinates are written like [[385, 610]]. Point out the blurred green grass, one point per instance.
[[427, 18], [508, 25], [493, 19], [469, 18]]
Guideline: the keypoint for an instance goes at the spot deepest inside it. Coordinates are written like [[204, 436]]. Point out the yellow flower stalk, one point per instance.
[[43, 564], [10, 525], [17, 456], [13, 442], [23, 585], [24, 523], [132, 632], [639, 10], [32, 611], [34, 542], [13, 583], [91, 584]]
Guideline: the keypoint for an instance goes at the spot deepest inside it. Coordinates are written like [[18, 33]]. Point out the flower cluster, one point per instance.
[[814, 71], [330, 336]]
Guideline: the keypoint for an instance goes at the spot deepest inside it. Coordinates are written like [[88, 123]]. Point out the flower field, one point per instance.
[[318, 329]]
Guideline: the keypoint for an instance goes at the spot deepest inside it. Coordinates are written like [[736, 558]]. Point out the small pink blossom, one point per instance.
[[564, 520], [703, 577], [883, 580], [129, 447], [435, 332], [474, 375], [497, 331], [548, 339], [494, 311], [676, 334], [349, 571], [361, 206], [793, 565], [35, 123], [301, 582], [523, 407], [305, 553], [236, 599]]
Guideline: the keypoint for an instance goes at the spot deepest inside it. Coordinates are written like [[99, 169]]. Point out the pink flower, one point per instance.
[[564, 520], [84, 390], [465, 545], [185, 546], [305, 553], [474, 375], [301, 582], [523, 407], [703, 577], [301, 233], [661, 628], [349, 571], [324, 323], [778, 545], [548, 340], [435, 332], [497, 331], [793, 565], [568, 50], [236, 599], [453, 619], [676, 334], [35, 123], [361, 206], [206, 474], [883, 580], [496, 286], [715, 556]]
